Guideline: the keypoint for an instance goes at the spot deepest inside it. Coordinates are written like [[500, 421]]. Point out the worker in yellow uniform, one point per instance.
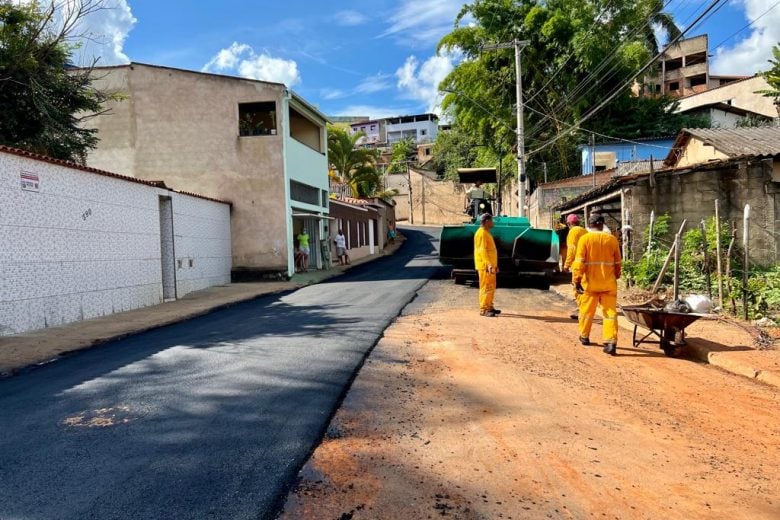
[[595, 272], [486, 263], [572, 239]]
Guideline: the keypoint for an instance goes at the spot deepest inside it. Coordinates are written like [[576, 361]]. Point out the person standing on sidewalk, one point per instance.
[[595, 272], [572, 239], [303, 245], [486, 263], [341, 248]]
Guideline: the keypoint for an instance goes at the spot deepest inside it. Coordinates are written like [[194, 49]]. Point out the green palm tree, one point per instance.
[[652, 11], [355, 166]]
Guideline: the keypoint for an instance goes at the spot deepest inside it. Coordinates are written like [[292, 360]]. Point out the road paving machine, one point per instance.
[[524, 252]]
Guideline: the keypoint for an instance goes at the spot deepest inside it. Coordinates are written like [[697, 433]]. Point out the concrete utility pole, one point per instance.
[[518, 45]]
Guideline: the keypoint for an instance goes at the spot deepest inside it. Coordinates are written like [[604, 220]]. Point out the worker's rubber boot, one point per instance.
[[575, 314], [490, 313], [495, 311], [585, 341], [610, 348]]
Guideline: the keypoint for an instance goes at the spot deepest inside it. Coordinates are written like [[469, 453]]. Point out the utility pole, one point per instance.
[[545, 171], [411, 207], [422, 195], [521, 180]]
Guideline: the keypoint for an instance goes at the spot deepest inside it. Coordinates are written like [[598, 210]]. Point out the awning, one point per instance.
[[313, 216], [471, 175]]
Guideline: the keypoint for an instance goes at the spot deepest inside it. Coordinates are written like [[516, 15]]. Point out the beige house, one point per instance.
[[738, 94], [255, 143]]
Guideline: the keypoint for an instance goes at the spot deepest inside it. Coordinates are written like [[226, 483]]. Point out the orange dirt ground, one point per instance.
[[459, 416]]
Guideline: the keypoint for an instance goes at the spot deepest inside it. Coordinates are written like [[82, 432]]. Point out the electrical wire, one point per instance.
[[615, 92]]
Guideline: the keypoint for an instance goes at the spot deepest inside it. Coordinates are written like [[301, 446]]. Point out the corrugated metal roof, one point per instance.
[[738, 142]]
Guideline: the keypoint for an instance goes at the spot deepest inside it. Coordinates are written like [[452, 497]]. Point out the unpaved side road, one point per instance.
[[459, 416]]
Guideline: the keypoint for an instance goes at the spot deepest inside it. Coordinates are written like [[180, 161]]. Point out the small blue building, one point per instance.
[[608, 155]]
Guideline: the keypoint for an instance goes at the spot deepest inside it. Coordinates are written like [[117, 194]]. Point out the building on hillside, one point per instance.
[[609, 155], [740, 94], [424, 153], [683, 69], [254, 142], [735, 166], [374, 130], [422, 128], [79, 242]]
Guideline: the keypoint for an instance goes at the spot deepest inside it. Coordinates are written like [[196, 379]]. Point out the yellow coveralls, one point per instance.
[[572, 239], [485, 254], [597, 267]]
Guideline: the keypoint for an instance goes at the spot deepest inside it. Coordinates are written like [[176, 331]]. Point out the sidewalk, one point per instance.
[[729, 348], [46, 345]]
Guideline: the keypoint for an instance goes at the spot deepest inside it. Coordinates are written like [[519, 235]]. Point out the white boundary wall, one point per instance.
[[84, 244]]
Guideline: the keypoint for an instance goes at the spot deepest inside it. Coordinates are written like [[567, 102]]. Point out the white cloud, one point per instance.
[[349, 18], [373, 84], [100, 33], [750, 55], [332, 93], [421, 82], [373, 112], [423, 22], [242, 59]]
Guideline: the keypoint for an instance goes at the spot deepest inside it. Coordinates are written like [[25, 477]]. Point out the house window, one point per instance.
[[674, 85], [257, 118], [423, 132], [427, 151], [373, 127], [301, 192]]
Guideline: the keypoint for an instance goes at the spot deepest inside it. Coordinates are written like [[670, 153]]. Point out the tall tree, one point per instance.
[[579, 51], [42, 98], [772, 76], [402, 154], [355, 166]]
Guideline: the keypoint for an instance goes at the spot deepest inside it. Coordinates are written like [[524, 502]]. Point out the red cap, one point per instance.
[[572, 218]]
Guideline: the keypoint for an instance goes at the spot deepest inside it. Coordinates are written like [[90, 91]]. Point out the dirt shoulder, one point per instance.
[[467, 417]]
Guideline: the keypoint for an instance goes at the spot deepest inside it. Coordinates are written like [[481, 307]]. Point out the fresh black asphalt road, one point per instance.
[[209, 418]]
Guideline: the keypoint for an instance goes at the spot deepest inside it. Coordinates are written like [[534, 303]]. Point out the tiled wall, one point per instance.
[[82, 245]]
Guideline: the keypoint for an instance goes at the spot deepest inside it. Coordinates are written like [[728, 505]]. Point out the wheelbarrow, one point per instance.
[[668, 326]]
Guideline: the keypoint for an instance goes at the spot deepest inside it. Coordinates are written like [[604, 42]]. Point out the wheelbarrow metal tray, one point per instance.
[[658, 319]]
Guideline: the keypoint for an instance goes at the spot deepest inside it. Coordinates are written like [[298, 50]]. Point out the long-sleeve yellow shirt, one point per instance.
[[572, 239], [597, 264], [485, 252]]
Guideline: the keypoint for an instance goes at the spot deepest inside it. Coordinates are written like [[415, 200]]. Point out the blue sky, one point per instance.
[[349, 57]]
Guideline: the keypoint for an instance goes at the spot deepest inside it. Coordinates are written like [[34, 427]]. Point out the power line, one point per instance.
[[746, 26], [615, 92]]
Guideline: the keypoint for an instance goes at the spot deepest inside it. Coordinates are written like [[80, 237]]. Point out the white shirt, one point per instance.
[[476, 193], [341, 242]]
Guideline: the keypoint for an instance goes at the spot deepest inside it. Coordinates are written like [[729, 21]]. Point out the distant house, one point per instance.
[[723, 115], [738, 94], [374, 130], [609, 155], [735, 166], [255, 143], [422, 128], [365, 223]]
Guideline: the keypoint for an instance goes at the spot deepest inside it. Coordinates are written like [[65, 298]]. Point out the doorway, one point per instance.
[[167, 253]]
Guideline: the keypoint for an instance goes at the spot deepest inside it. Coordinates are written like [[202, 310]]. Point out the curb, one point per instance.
[[702, 353]]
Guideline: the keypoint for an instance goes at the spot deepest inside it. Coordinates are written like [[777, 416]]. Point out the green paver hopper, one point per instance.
[[523, 251]]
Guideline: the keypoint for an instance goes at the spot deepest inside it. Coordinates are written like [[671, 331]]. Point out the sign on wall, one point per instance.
[[30, 181]]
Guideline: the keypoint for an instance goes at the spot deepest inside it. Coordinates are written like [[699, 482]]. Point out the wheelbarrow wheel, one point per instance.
[[670, 349]]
